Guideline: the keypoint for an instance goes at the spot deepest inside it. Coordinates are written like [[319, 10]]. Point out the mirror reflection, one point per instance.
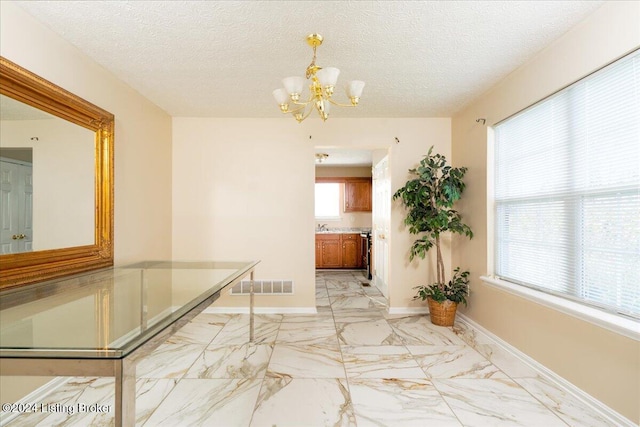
[[47, 179]]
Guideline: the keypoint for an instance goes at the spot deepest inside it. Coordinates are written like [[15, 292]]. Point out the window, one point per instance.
[[327, 200], [567, 191]]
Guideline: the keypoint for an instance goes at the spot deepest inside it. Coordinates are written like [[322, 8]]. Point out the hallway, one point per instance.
[[352, 364]]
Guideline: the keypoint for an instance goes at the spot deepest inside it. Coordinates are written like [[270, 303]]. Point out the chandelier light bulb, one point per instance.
[[354, 88], [282, 98]]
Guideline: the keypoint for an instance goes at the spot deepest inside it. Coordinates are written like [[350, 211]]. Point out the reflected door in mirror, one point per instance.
[[16, 206], [61, 204]]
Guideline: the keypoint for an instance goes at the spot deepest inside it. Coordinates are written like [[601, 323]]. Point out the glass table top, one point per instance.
[[107, 313]]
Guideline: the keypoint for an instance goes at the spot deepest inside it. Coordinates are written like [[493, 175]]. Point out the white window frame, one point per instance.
[[627, 326], [336, 217]]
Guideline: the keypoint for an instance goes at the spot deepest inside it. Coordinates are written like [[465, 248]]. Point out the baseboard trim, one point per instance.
[[37, 395], [607, 412], [408, 310], [261, 310]]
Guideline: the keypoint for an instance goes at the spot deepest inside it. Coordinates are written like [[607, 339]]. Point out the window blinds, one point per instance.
[[567, 191]]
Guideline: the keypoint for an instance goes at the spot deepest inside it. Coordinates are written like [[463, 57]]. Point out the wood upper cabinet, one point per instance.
[[357, 195]]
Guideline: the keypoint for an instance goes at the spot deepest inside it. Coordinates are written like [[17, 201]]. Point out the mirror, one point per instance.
[[50, 162], [56, 172]]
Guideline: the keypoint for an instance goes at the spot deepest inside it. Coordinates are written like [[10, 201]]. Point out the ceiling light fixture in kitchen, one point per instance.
[[323, 82], [321, 157]]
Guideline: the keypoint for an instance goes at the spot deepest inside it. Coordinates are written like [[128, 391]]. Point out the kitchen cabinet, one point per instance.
[[350, 251], [357, 195], [336, 250], [329, 251]]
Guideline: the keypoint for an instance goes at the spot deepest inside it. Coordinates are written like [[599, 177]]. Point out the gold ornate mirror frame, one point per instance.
[[29, 267]]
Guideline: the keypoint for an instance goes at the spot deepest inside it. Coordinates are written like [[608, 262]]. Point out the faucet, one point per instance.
[[322, 227]]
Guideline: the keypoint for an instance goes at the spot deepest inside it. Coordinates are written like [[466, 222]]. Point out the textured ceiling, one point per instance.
[[224, 58]]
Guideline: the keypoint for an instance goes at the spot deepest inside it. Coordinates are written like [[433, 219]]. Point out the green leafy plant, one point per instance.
[[455, 290], [429, 198]]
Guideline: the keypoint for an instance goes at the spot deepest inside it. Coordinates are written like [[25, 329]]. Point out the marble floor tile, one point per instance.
[[297, 402], [380, 362], [508, 363], [217, 319], [64, 403], [306, 361], [169, 361], [359, 301], [242, 361], [257, 318], [377, 332], [323, 302], [454, 361], [564, 405], [399, 403], [307, 333], [418, 330], [149, 394], [494, 402], [372, 291], [307, 318], [357, 315], [237, 332], [90, 391], [208, 402], [195, 333]]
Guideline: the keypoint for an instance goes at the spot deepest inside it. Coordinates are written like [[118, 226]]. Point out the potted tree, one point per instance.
[[429, 197]]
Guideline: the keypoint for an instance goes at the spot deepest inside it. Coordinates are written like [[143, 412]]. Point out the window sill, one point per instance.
[[618, 324]]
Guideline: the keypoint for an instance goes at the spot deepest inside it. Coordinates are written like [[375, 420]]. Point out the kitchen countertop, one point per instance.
[[343, 231]]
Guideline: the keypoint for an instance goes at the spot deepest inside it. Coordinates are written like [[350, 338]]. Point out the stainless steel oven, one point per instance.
[[366, 253]]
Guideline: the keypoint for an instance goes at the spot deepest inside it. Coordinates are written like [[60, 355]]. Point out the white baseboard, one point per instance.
[[37, 395], [610, 414], [261, 310], [408, 310]]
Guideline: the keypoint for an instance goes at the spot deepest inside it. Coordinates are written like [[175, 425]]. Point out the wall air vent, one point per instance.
[[264, 287]]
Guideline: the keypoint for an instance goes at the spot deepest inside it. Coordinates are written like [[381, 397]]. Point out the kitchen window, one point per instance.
[[327, 205], [567, 192]]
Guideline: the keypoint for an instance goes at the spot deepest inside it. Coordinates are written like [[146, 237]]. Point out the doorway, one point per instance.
[[381, 224]]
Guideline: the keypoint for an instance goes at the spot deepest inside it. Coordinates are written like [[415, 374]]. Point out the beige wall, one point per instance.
[[602, 363], [142, 144], [243, 189]]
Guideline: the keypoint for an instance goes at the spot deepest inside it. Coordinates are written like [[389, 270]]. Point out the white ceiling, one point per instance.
[[224, 58]]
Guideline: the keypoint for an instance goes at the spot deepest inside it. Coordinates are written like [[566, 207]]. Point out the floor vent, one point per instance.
[[264, 287]]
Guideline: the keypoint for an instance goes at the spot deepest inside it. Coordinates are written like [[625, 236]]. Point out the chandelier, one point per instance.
[[322, 85]]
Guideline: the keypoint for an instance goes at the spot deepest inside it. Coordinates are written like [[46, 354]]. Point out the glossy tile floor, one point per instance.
[[352, 364]]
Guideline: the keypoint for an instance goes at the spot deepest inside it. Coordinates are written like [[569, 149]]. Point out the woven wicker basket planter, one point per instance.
[[442, 313]]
